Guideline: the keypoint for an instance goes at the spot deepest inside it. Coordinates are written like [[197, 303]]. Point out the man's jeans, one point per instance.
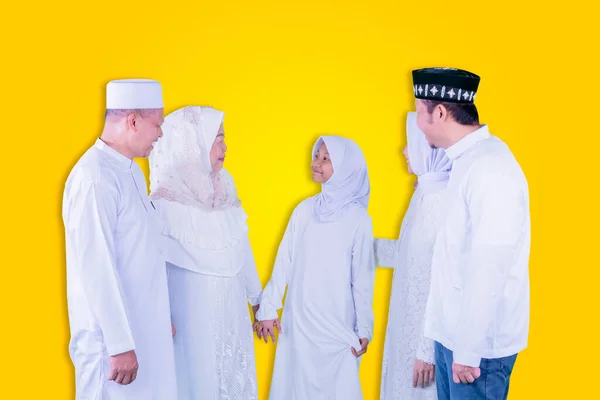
[[491, 385]]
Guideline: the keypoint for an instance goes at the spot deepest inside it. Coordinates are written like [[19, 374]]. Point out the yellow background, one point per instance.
[[284, 73]]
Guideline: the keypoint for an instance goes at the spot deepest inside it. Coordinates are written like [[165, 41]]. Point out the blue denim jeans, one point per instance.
[[491, 385]]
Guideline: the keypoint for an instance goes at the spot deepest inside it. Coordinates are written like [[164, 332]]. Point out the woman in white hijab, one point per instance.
[[408, 360], [211, 269], [326, 261]]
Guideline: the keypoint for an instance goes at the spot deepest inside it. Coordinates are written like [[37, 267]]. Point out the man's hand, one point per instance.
[[423, 374], [123, 368], [364, 343], [464, 374], [267, 328], [173, 331]]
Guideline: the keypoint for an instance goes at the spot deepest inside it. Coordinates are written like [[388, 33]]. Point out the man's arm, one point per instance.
[[91, 223], [498, 213]]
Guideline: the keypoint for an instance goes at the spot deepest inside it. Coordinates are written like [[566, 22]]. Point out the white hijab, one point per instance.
[[180, 168], [203, 223], [349, 183], [431, 165]]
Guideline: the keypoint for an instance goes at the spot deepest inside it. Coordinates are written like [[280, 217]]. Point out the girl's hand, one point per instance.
[[364, 343]]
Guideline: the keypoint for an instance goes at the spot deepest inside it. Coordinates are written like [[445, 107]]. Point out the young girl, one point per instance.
[[211, 271], [326, 259], [408, 359]]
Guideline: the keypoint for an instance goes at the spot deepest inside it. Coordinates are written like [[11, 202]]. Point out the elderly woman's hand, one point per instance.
[[267, 328], [255, 323]]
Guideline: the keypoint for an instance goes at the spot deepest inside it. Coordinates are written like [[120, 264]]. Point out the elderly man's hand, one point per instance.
[[123, 368]]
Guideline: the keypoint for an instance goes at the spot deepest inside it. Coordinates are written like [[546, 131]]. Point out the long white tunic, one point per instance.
[[116, 279], [329, 271], [478, 305], [209, 290], [410, 256]]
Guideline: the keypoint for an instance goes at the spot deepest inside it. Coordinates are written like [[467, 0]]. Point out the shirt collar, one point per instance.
[[115, 155], [457, 149]]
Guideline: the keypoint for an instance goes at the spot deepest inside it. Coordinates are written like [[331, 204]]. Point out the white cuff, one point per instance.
[[467, 358]]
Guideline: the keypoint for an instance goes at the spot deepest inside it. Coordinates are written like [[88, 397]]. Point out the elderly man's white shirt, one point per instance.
[[116, 279]]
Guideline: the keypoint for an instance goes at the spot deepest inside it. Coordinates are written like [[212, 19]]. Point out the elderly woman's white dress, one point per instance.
[[411, 256], [211, 269]]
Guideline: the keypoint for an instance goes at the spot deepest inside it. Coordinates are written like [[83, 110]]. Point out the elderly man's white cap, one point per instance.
[[135, 94]]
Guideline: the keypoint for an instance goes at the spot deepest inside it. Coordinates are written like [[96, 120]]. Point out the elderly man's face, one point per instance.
[[145, 131]]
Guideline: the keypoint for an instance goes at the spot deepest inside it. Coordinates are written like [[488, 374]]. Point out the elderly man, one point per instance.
[[478, 305], [116, 277]]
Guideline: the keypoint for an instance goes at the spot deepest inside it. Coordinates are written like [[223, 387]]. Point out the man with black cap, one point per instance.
[[478, 306]]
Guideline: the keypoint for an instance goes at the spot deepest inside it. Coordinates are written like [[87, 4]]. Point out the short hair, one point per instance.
[[124, 112], [462, 113]]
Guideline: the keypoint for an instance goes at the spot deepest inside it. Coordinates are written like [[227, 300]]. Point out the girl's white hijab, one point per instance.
[[349, 183], [431, 165], [180, 168]]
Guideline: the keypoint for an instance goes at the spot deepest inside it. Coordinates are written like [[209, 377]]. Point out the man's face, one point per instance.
[[429, 123], [145, 131]]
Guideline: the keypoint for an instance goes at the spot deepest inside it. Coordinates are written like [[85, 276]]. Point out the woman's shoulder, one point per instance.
[[168, 207], [432, 196]]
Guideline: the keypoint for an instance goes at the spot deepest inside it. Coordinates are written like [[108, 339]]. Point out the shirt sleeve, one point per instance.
[[385, 252], [425, 347], [251, 278], [363, 280], [92, 222], [498, 211], [272, 295]]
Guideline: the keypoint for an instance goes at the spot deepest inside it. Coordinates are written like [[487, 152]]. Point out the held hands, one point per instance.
[[464, 374], [123, 368], [423, 374], [364, 343], [267, 328]]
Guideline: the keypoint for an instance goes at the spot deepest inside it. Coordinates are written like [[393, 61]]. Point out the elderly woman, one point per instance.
[[211, 269], [408, 360]]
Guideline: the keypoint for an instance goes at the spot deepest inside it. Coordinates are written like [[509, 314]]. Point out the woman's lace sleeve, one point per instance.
[[385, 252]]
